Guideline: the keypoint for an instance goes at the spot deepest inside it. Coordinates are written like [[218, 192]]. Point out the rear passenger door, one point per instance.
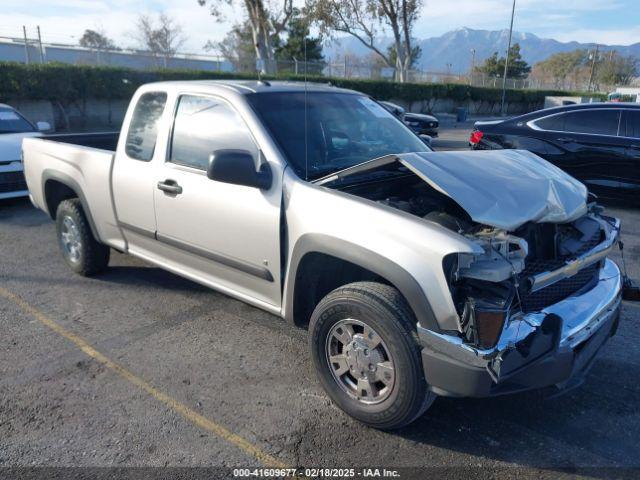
[[225, 235], [133, 177]]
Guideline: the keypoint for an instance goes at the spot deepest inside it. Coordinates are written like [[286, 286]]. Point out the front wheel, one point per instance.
[[365, 350], [82, 252]]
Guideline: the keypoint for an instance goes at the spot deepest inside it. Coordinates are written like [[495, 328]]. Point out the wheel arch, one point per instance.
[[57, 187], [313, 251]]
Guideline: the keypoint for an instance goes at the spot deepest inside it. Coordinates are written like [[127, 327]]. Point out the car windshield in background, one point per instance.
[[12, 122], [342, 130]]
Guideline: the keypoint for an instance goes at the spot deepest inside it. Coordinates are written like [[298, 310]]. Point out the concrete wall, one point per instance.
[[35, 111], [447, 105], [559, 101]]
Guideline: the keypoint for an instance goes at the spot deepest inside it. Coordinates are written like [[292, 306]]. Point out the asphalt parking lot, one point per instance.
[[138, 367]]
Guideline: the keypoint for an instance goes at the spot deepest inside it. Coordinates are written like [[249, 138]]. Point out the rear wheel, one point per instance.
[[365, 350], [82, 252]]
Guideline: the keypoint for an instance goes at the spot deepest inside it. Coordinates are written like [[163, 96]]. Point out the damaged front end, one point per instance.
[[534, 308], [539, 298]]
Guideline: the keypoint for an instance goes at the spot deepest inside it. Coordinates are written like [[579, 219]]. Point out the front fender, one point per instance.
[[363, 257]]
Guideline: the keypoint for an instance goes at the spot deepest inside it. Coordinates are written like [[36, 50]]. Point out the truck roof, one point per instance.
[[256, 86]]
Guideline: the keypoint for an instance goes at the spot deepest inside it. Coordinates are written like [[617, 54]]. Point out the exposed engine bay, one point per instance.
[[488, 288]]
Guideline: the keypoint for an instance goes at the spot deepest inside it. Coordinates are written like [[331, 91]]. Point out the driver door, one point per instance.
[[226, 235]]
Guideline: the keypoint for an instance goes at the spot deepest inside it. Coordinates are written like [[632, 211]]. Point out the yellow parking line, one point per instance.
[[191, 415]]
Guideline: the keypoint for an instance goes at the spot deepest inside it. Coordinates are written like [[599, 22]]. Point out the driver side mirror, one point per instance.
[[238, 168]]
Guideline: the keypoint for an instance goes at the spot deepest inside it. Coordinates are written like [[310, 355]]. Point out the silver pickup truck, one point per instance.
[[418, 273]]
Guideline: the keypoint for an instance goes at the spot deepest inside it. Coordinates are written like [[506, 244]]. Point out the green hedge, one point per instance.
[[72, 83]]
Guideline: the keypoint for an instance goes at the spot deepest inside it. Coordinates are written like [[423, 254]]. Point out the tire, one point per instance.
[[82, 252], [379, 312]]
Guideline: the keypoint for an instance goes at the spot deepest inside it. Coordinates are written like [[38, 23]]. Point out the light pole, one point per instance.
[[594, 59], [506, 61], [473, 65]]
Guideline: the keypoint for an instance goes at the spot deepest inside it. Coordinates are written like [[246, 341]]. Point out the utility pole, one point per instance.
[[593, 66], [40, 44], [26, 46], [506, 61]]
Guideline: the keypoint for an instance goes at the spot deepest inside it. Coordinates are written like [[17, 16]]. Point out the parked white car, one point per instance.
[[13, 128]]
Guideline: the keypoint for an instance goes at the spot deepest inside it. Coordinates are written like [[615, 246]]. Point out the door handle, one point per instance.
[[565, 140], [635, 147], [170, 186]]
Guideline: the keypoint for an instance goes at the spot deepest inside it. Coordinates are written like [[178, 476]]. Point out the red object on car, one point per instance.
[[476, 136]]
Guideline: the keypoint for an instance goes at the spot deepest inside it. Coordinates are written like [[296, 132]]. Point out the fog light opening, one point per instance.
[[489, 325]]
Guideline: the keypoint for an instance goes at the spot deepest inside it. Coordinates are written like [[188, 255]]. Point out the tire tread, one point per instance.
[[95, 255], [386, 300]]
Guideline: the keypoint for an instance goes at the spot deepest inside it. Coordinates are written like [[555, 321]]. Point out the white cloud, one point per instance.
[[607, 37]]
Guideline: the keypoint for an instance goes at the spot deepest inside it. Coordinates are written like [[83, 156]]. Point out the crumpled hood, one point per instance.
[[11, 145], [502, 188]]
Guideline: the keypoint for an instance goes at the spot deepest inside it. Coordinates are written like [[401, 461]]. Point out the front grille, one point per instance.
[[558, 291], [12, 182]]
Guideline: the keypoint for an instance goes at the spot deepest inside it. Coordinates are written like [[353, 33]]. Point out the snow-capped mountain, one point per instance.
[[455, 48]]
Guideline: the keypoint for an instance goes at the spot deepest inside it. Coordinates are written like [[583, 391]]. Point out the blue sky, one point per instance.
[[63, 21]]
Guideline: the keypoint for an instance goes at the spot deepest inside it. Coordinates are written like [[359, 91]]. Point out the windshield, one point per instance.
[[12, 122], [343, 130]]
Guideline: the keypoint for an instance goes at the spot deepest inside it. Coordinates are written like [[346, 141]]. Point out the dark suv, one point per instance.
[[598, 143]]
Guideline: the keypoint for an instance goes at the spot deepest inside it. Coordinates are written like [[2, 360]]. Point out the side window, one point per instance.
[[203, 125], [554, 122], [633, 123], [600, 122], [143, 129]]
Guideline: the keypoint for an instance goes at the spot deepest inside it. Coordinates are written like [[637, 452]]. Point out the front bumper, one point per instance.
[[553, 347]]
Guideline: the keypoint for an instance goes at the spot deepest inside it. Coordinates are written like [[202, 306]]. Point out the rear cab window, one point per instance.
[[143, 128]]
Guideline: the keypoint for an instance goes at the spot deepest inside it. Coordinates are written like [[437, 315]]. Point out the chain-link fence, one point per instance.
[[34, 51], [354, 68]]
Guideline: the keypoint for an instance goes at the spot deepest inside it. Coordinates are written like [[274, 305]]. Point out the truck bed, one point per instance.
[[100, 140], [82, 162]]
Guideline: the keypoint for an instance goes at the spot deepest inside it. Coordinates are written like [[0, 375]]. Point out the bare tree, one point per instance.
[[237, 47], [163, 37], [96, 40], [264, 22], [364, 19]]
